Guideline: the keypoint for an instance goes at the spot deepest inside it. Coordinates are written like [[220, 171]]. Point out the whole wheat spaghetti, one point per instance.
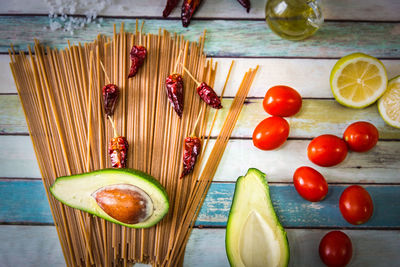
[[60, 91]]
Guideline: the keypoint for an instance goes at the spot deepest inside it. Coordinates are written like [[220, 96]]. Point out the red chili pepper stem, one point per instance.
[[105, 72], [113, 126], [195, 124], [190, 75]]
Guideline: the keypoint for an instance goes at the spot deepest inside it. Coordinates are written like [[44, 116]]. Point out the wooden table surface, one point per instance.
[[27, 234]]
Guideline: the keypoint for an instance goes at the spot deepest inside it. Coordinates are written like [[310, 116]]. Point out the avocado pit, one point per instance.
[[124, 202]]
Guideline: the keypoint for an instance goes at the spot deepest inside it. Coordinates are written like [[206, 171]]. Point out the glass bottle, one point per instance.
[[294, 19]]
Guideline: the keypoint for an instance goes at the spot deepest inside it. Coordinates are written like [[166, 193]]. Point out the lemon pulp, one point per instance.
[[389, 103], [358, 80]]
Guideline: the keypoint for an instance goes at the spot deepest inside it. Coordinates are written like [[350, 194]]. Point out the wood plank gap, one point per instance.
[[261, 97], [224, 227], [330, 183], [285, 57], [12, 179], [8, 93], [27, 223], [312, 228], [14, 134], [257, 57], [193, 19], [295, 138], [232, 137]]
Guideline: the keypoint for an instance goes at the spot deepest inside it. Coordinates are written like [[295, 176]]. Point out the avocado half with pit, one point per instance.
[[124, 196], [254, 235]]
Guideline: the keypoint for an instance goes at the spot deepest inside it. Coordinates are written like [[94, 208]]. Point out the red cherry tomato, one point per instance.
[[356, 205], [282, 101], [271, 133], [310, 184], [361, 136], [335, 249], [327, 150]]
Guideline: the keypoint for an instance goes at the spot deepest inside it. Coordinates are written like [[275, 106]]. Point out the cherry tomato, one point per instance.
[[282, 101], [361, 136], [335, 249], [310, 184], [327, 150], [356, 205], [271, 133]]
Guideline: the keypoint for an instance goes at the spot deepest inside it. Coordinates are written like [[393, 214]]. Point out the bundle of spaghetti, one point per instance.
[[60, 91]]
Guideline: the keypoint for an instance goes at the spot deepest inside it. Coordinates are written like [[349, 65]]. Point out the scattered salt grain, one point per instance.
[[66, 14]]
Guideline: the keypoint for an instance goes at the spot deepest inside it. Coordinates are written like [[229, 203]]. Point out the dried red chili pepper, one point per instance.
[[174, 86], [118, 151], [209, 96], [206, 93], [245, 4], [110, 97], [188, 9], [190, 153], [138, 55], [171, 4]]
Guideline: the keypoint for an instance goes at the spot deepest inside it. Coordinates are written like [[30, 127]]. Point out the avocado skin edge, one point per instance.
[[262, 177], [137, 175]]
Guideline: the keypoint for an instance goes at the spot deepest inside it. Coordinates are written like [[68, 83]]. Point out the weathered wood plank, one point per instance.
[[309, 76], [338, 10], [39, 246], [6, 78], [12, 118], [314, 119], [371, 248], [379, 165], [24, 201], [20, 159], [294, 211], [30, 246], [251, 38]]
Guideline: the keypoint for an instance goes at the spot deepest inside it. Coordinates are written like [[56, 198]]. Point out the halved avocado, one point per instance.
[[124, 196], [254, 235]]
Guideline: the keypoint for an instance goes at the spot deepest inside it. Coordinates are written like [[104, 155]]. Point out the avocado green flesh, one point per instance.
[[76, 191], [254, 235]]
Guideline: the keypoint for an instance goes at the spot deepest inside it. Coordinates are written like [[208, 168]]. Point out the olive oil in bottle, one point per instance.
[[294, 19]]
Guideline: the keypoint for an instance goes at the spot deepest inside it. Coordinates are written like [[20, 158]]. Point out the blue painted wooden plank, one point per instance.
[[224, 37], [294, 211], [25, 201]]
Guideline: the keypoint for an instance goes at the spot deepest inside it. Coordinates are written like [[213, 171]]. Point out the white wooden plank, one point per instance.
[[309, 76], [206, 247], [339, 9], [379, 165], [6, 78], [38, 246], [315, 118], [30, 246], [279, 165], [18, 159]]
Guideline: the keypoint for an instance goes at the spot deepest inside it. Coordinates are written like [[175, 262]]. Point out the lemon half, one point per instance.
[[389, 103], [358, 80]]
